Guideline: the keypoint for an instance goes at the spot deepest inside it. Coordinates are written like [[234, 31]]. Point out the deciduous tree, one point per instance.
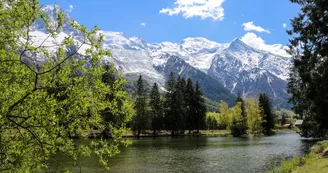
[[42, 105]]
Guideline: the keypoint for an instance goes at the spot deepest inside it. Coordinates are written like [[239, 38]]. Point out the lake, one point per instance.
[[204, 154]]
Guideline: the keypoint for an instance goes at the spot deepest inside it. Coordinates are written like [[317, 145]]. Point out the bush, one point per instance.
[[319, 147]]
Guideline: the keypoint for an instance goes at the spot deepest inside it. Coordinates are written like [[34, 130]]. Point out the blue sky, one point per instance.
[[257, 22]]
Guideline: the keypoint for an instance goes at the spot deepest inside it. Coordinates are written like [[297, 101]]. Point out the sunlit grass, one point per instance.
[[311, 162]]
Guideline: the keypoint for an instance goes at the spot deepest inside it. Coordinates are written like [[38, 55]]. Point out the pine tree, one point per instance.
[[200, 108], [189, 100], [169, 104], [156, 109], [179, 104], [309, 75], [140, 120], [267, 115]]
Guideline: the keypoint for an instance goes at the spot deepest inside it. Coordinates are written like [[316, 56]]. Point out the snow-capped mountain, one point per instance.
[[223, 69]]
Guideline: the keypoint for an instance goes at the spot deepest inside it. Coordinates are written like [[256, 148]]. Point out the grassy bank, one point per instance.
[[315, 161]]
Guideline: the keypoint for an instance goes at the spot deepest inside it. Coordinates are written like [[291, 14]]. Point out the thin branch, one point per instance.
[[19, 101], [44, 41], [69, 56]]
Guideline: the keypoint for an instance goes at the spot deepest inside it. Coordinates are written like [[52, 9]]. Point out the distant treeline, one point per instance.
[[181, 108], [254, 115]]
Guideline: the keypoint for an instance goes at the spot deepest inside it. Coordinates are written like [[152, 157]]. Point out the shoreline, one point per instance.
[[316, 160], [164, 133]]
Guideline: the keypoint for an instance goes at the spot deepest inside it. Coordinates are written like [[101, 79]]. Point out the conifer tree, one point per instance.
[[189, 100], [309, 75], [267, 115], [200, 108], [179, 104], [140, 120], [156, 109], [170, 120]]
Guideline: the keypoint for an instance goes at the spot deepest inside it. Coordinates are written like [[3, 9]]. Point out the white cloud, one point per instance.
[[70, 8], [193, 8], [284, 25], [143, 24], [249, 26], [253, 40]]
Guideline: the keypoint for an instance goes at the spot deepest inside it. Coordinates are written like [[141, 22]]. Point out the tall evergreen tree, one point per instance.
[[267, 115], [170, 120], [179, 104], [200, 108], [156, 109], [308, 82], [140, 120], [189, 100]]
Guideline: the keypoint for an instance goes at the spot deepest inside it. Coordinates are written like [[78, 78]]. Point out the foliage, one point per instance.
[[189, 101], [184, 105], [237, 126], [180, 104], [254, 118], [169, 104], [267, 114], [225, 116], [42, 106], [123, 103], [200, 108], [140, 121], [156, 109], [309, 75], [212, 120], [239, 118], [212, 106]]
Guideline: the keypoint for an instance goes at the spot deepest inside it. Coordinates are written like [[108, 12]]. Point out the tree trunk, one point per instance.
[[138, 134]]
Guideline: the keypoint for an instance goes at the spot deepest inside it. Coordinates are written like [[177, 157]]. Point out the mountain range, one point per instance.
[[222, 69]]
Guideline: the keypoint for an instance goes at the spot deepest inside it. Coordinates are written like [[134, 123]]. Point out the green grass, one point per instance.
[[309, 163], [318, 166]]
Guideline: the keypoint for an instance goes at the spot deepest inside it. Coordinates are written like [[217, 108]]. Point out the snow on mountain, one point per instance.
[[237, 66], [198, 52], [249, 71]]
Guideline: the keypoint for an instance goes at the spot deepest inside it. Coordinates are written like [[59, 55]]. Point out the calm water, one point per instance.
[[201, 154]]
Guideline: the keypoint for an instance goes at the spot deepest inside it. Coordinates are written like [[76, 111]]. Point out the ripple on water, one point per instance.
[[204, 154]]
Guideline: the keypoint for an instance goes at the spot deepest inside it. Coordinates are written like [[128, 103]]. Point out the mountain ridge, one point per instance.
[[233, 67]]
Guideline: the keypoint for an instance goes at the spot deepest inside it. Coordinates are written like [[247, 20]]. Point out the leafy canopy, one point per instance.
[[43, 105]]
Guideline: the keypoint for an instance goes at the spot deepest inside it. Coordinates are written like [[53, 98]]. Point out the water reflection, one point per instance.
[[202, 154]]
